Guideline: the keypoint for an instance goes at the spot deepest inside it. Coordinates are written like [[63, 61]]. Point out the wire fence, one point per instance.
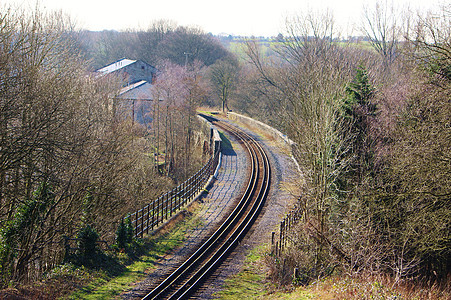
[[156, 212], [290, 220]]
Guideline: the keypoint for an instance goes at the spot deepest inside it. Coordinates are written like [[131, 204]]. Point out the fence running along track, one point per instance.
[[150, 216], [186, 279]]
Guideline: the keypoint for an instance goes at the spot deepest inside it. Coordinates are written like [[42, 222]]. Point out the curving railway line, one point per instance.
[[187, 278]]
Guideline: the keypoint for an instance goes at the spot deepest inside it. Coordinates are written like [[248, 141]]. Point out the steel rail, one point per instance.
[[223, 240], [192, 261], [207, 269]]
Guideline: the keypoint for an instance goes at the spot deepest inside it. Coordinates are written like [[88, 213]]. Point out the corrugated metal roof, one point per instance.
[[116, 66]]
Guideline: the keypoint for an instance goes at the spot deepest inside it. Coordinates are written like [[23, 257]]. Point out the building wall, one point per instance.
[[140, 71]]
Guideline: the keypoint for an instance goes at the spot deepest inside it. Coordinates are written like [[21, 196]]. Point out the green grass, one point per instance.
[[251, 283], [107, 287], [296, 295], [267, 48], [208, 113]]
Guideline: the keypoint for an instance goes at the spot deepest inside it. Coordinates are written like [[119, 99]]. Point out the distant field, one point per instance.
[[267, 46], [238, 47]]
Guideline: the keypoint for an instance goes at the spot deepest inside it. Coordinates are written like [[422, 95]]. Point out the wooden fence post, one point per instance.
[[192, 187]]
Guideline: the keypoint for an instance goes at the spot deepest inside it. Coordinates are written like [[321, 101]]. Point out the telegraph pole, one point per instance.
[[186, 58]]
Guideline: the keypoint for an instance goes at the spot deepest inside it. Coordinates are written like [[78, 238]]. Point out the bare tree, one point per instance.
[[180, 90], [58, 141], [432, 41], [381, 27], [223, 76], [307, 85]]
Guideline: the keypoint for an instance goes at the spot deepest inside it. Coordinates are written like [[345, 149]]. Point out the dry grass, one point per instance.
[[61, 283], [378, 287]]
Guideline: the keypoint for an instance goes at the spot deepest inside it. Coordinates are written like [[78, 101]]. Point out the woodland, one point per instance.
[[370, 119]]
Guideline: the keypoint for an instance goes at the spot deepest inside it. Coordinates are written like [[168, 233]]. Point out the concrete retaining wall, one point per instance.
[[270, 130]]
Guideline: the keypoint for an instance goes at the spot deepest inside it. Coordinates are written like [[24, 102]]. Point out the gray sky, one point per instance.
[[239, 17]]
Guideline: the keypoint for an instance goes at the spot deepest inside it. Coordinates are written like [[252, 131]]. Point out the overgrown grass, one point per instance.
[[103, 286], [251, 283], [375, 287]]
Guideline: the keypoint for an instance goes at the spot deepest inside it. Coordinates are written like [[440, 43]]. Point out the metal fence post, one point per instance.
[[148, 217], [153, 213], [295, 274], [162, 208], [136, 223], [193, 186], [177, 197], [158, 210], [142, 222], [171, 201], [281, 235], [174, 200], [182, 196], [165, 207], [168, 197]]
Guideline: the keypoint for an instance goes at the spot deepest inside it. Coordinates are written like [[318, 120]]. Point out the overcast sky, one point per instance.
[[236, 17]]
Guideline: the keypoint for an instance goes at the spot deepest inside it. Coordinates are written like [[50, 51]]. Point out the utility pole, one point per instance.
[[186, 58]]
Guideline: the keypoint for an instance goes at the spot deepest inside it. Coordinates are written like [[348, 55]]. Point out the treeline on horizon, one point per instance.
[[162, 41]]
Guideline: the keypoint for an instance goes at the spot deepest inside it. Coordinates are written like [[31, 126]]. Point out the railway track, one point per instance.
[[187, 278]]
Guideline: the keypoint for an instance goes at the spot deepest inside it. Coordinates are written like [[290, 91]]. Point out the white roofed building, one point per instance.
[[134, 99], [131, 70]]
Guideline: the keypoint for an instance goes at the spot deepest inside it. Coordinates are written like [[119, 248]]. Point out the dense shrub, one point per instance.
[[124, 234], [87, 239]]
